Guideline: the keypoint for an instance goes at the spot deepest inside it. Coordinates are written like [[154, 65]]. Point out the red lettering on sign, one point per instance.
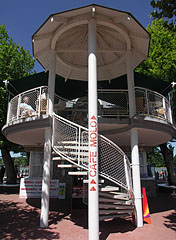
[[92, 173], [93, 182], [93, 143], [93, 124], [93, 166], [93, 189], [93, 117], [93, 135], [92, 156]]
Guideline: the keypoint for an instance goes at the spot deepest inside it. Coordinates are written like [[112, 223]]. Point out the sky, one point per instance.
[[23, 18]]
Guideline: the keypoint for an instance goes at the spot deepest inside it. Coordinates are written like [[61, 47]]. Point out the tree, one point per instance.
[[165, 9], [155, 158], [161, 64], [15, 62]]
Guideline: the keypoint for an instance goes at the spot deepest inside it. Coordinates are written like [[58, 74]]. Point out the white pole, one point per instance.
[[136, 177], [47, 146], [134, 145], [93, 212]]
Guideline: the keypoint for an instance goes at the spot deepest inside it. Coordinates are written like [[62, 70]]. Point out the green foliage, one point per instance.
[[165, 9], [155, 158], [15, 62], [21, 161], [161, 62]]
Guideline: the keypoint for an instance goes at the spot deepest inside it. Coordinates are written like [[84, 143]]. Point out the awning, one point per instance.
[[72, 89]]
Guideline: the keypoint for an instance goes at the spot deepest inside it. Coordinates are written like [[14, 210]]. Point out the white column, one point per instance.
[[48, 146], [93, 212], [134, 145], [136, 177]]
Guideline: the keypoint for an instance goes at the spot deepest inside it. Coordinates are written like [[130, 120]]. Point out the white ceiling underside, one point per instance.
[[116, 33], [35, 137]]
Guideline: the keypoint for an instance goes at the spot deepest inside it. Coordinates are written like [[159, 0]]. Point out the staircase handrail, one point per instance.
[[70, 140]]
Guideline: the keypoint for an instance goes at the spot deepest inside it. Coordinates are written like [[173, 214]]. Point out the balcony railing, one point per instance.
[[32, 103], [111, 103], [150, 103]]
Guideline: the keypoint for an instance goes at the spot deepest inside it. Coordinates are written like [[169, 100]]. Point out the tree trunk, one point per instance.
[[9, 166], [168, 158]]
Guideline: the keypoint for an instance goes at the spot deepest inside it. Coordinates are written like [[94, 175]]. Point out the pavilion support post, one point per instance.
[[48, 145], [93, 207], [134, 144]]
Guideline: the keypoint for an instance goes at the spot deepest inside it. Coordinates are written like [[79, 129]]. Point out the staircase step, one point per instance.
[[68, 142], [77, 173], [83, 148], [115, 211], [108, 200], [57, 158], [108, 189], [66, 166], [112, 216], [74, 153], [114, 196], [116, 206]]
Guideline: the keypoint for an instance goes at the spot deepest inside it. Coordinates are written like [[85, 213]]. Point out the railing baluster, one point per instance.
[[39, 101], [170, 114], [8, 112], [164, 107], [147, 101], [18, 108], [79, 144]]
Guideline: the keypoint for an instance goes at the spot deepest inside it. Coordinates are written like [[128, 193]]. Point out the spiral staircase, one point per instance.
[[70, 145]]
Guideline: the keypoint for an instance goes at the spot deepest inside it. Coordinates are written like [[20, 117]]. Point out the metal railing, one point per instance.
[[111, 103], [152, 104], [28, 104], [115, 103], [70, 141]]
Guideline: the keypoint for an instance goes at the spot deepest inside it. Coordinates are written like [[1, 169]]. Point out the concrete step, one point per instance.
[[74, 153], [112, 216], [66, 166], [108, 189], [82, 159], [68, 142], [108, 200], [114, 196], [58, 158], [77, 173], [115, 211], [116, 206], [81, 147]]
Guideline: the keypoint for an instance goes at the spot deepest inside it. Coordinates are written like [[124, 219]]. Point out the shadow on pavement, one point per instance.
[[21, 222], [163, 202]]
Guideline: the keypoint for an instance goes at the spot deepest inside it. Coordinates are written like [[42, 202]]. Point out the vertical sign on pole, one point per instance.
[[93, 215]]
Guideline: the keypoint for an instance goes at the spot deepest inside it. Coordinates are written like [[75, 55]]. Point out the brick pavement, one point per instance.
[[19, 219]]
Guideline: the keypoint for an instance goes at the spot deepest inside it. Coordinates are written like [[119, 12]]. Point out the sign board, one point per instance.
[[32, 188], [93, 155], [62, 190], [78, 191]]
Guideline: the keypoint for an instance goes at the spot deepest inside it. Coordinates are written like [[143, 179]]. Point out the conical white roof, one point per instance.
[[67, 32]]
